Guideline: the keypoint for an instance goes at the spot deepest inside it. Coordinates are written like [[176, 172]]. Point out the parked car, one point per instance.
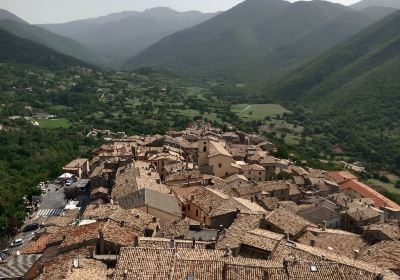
[[17, 242], [30, 227]]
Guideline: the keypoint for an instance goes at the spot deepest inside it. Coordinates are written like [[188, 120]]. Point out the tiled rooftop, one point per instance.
[[287, 221]]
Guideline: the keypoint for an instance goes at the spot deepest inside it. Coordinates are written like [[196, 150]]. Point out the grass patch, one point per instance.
[[58, 123], [388, 186], [258, 112]]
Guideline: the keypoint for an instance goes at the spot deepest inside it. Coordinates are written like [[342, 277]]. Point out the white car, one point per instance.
[[17, 242]]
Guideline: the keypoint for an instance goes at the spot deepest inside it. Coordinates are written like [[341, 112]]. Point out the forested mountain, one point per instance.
[[376, 3], [257, 39], [355, 88], [56, 42], [120, 36], [17, 50], [4, 15]]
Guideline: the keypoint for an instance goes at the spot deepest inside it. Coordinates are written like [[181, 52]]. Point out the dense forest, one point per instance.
[[30, 155]]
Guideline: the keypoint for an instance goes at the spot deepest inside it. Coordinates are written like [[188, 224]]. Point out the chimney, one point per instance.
[[136, 241], [312, 241], [323, 225], [101, 242], [221, 228], [237, 212], [172, 243]]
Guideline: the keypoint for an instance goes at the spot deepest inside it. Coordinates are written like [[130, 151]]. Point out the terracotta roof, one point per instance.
[[235, 233], [79, 234], [166, 243], [89, 269], [184, 175], [215, 203], [319, 214], [176, 229], [58, 267], [290, 258], [297, 252], [367, 192], [267, 186], [339, 242], [268, 160], [340, 176], [363, 213], [268, 202], [76, 163], [216, 148], [287, 221], [100, 211], [122, 235], [38, 246], [392, 231], [237, 150], [384, 254], [262, 239], [235, 177]]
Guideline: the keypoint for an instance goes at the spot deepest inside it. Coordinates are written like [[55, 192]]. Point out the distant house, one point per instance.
[[161, 205], [213, 208], [236, 180], [253, 172], [321, 215], [353, 188], [231, 137], [78, 167], [357, 218], [214, 156], [284, 221]]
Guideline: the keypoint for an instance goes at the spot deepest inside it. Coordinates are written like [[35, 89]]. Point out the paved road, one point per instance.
[[53, 198], [245, 109]]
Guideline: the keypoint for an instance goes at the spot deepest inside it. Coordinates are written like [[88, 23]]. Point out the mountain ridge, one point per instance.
[[239, 43], [120, 36], [354, 87], [14, 49]]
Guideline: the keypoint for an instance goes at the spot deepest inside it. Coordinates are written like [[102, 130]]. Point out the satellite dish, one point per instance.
[[76, 263]]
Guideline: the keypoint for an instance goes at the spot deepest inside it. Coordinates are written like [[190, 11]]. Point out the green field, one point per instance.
[[388, 186], [258, 112], [59, 123]]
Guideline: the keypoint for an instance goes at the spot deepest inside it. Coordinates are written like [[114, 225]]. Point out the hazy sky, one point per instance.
[[52, 11]]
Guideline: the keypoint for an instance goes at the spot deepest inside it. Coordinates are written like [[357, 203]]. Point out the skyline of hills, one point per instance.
[[257, 39]]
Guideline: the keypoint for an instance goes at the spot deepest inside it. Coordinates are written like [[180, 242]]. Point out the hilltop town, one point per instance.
[[203, 204]]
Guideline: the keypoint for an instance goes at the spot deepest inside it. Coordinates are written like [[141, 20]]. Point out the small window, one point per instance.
[[313, 268], [197, 213], [259, 179], [189, 207], [204, 149], [219, 165], [259, 173]]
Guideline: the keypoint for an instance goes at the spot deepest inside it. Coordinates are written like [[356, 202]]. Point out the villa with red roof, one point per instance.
[[350, 185]]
